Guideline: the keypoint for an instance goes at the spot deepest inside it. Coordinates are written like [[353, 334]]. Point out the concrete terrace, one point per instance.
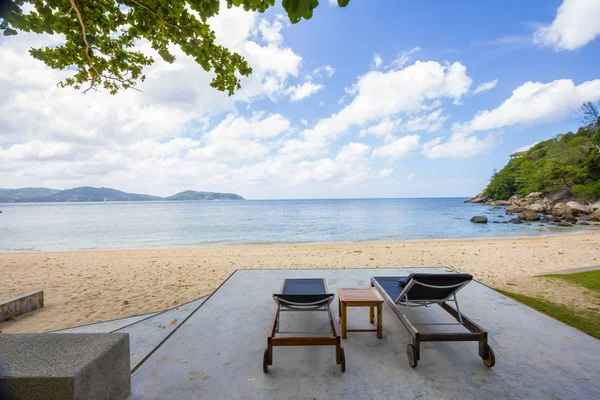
[[215, 349]]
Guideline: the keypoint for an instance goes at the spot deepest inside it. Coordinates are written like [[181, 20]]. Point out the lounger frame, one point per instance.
[[475, 334], [333, 340]]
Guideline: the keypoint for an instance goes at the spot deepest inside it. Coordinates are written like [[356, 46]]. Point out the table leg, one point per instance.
[[372, 314], [379, 321], [340, 309], [344, 320]]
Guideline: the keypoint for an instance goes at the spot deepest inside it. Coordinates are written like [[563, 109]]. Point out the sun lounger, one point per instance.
[[303, 295], [418, 290]]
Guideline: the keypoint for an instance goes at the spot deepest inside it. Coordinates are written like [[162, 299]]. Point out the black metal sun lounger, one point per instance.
[[303, 295], [417, 290]]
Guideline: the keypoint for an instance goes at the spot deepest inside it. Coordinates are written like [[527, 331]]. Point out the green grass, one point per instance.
[[590, 279], [586, 321]]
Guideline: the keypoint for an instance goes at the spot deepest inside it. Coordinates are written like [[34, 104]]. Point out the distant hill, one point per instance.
[[24, 194], [193, 195], [87, 193], [93, 194]]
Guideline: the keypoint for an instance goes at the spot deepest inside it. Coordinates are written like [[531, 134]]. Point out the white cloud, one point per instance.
[[398, 148], [327, 69], [458, 145], [382, 95], [383, 129], [535, 102], [333, 3], [575, 25], [304, 122], [485, 86], [303, 91], [377, 61], [411, 176], [271, 32], [385, 172], [526, 147], [403, 58], [431, 122]]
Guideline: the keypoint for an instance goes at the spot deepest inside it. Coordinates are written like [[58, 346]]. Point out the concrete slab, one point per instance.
[[149, 333], [51, 366], [21, 304], [218, 352], [107, 326]]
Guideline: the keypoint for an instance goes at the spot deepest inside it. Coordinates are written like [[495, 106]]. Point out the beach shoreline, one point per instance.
[[82, 287]]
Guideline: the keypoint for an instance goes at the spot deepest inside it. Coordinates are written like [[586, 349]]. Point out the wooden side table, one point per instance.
[[360, 297]]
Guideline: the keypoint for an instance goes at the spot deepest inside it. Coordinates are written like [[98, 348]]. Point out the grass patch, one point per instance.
[[585, 321], [589, 279]]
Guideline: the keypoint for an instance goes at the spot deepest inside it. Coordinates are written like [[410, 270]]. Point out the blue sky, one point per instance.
[[378, 99]]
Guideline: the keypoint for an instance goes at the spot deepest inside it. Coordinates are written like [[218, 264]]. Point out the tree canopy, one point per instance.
[[100, 36], [568, 161]]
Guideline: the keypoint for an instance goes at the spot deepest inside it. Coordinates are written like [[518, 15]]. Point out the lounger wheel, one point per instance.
[[490, 360], [411, 351], [266, 361]]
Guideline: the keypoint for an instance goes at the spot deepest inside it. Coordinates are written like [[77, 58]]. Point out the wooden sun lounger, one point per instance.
[[303, 295], [418, 290]]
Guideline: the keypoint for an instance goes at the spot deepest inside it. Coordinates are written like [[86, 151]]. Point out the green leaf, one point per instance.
[[343, 3], [9, 32]]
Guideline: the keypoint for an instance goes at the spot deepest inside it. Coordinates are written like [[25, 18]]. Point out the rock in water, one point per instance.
[[478, 219], [578, 208], [516, 221], [565, 224], [529, 215]]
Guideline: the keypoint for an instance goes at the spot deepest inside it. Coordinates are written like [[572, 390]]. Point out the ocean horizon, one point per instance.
[[160, 224]]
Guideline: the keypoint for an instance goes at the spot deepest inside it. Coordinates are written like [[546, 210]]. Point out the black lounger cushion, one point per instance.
[[304, 286], [394, 285], [305, 298]]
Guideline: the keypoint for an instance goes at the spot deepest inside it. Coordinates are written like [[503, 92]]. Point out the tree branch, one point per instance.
[[87, 45], [156, 14]]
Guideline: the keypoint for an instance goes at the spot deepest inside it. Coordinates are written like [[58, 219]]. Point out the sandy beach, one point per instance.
[[91, 286]]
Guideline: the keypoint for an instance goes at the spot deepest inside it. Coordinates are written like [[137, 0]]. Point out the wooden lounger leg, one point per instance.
[[483, 347], [417, 344], [338, 351], [269, 352], [379, 321]]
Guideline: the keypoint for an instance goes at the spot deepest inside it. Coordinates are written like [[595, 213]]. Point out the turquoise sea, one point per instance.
[[137, 225]]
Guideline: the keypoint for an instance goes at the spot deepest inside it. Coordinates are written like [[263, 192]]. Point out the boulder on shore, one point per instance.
[[578, 208], [514, 209], [595, 206], [479, 198], [529, 215], [514, 199], [536, 207], [560, 210], [596, 215], [479, 219]]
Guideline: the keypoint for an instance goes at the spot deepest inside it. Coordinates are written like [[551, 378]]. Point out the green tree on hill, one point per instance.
[[568, 161], [99, 36]]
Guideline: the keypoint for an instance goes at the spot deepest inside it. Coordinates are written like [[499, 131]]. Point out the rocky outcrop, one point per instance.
[[578, 208], [565, 224], [529, 215], [498, 203], [514, 209], [479, 219], [595, 206], [480, 198], [536, 207], [595, 215], [560, 210]]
